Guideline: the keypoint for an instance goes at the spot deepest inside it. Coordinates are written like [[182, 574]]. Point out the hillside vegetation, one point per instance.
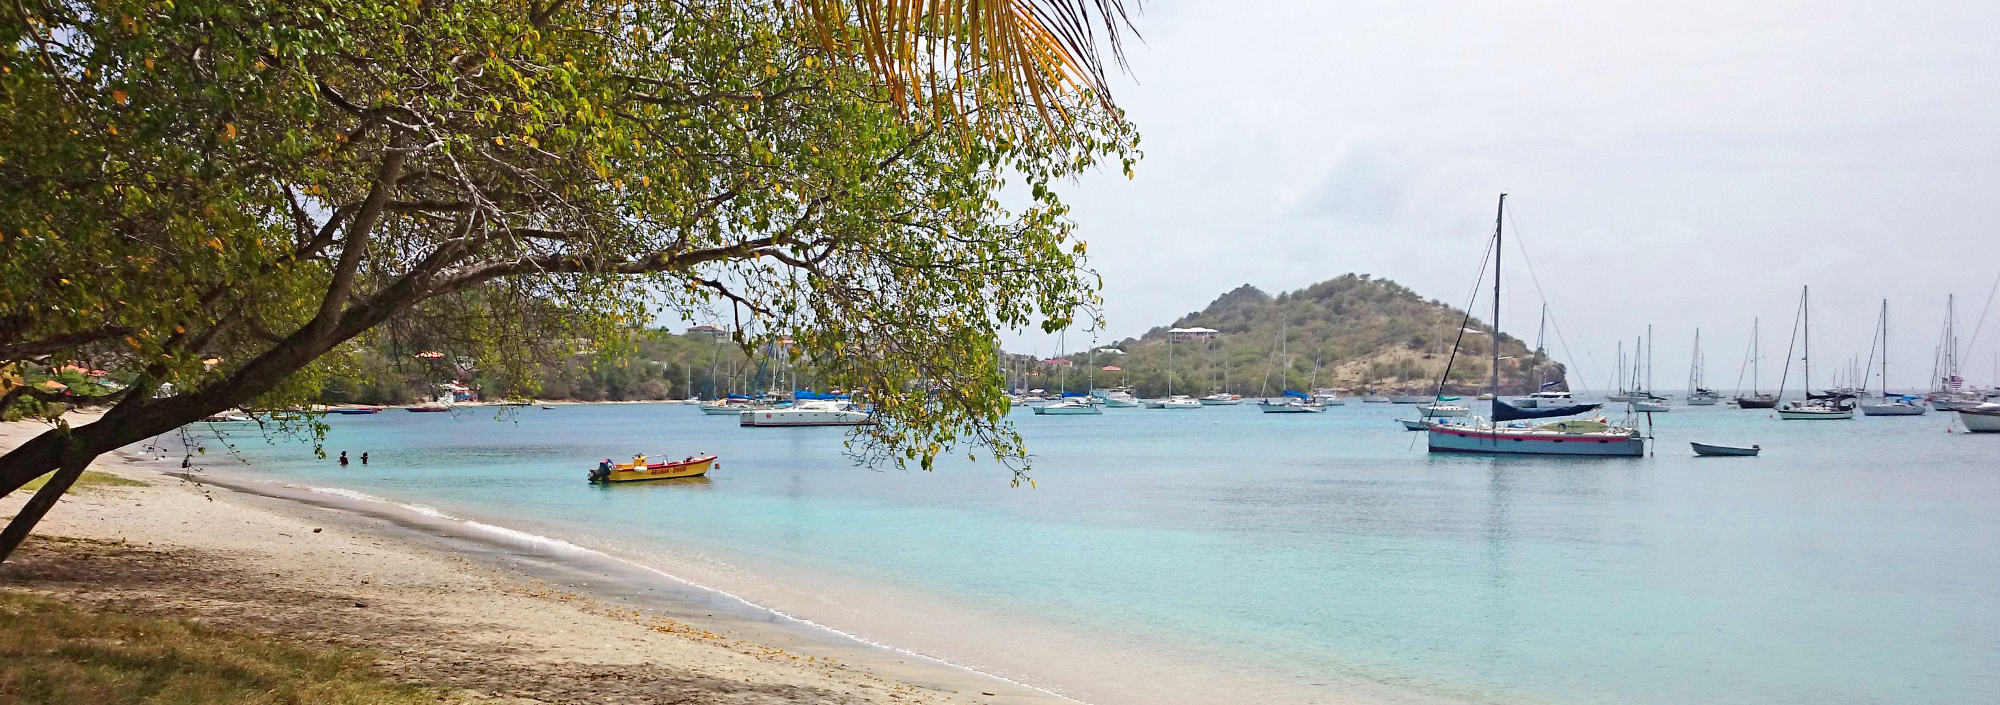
[[1363, 334]]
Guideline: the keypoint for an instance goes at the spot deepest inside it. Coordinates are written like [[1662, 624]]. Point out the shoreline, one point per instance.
[[497, 574]]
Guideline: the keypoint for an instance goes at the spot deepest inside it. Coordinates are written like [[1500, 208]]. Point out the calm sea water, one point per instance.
[[1855, 562]]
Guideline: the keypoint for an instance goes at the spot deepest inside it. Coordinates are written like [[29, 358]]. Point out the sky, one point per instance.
[[1679, 165]]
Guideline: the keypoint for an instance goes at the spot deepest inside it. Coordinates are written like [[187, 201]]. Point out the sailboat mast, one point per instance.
[[1541, 334], [1499, 217], [1885, 349], [1694, 363], [1756, 354], [1806, 357]]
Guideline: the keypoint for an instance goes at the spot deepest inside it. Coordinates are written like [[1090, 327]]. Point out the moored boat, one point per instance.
[[1832, 406], [1411, 399], [358, 410], [430, 408], [1814, 411], [1221, 399], [1756, 401], [806, 413], [1984, 418], [1580, 437], [1432, 411], [1117, 399], [1895, 406], [1704, 449], [1067, 407], [1289, 405], [641, 468], [1178, 401]]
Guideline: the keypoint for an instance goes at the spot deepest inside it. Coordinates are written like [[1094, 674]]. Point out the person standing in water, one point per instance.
[[343, 458], [364, 457]]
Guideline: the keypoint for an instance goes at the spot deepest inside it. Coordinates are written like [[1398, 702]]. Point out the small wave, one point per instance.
[[429, 511], [350, 494], [519, 535]]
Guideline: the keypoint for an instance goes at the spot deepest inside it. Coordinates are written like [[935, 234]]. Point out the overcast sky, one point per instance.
[[1679, 164]]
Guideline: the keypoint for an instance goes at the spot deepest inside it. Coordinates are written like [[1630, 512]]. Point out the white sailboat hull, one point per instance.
[[1892, 410], [1980, 420], [1437, 411], [1067, 409], [809, 416]]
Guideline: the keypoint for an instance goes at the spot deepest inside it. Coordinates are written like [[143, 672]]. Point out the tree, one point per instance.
[[230, 198]]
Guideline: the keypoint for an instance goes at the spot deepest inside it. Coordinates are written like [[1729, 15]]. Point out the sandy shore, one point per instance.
[[436, 616]]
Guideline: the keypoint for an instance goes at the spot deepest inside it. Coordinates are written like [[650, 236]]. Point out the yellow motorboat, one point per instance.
[[641, 469]]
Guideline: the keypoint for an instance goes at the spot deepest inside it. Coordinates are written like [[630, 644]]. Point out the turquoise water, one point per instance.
[[1856, 562]]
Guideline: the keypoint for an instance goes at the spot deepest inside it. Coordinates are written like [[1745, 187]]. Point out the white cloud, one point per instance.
[[1682, 164]]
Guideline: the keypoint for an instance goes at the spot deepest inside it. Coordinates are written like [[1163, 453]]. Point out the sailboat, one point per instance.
[[1545, 392], [1292, 402], [1755, 399], [1899, 405], [1595, 436], [1646, 401], [1173, 401], [1949, 393], [1833, 407], [1078, 405], [1698, 392], [1623, 393]]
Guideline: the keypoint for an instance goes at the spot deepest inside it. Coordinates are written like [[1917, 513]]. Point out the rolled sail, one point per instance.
[[1503, 411]]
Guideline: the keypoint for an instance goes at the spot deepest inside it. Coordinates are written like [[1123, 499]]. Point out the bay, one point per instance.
[[1223, 555]]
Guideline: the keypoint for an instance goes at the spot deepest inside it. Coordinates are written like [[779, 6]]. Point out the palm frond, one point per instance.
[[1039, 51]]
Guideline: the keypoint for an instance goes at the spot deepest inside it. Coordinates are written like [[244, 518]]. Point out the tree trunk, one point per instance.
[[74, 458]]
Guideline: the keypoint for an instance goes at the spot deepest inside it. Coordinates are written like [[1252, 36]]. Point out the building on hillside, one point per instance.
[[708, 330], [1182, 335]]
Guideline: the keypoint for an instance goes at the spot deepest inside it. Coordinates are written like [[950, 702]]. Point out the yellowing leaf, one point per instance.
[[119, 96]]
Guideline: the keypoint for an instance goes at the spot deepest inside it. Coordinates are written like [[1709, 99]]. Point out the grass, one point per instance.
[[89, 478], [54, 654]]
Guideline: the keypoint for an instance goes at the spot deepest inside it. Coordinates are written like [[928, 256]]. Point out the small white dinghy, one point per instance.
[[1705, 449]]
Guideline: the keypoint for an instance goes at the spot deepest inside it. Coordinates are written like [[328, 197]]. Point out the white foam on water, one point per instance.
[[350, 494], [428, 511]]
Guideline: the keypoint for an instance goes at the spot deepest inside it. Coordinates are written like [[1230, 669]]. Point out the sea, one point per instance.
[[1222, 555]]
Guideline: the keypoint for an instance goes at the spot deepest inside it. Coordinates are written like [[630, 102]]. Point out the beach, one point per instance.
[[311, 573]]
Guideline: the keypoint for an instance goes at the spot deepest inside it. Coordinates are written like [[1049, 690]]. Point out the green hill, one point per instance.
[[1366, 334]]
